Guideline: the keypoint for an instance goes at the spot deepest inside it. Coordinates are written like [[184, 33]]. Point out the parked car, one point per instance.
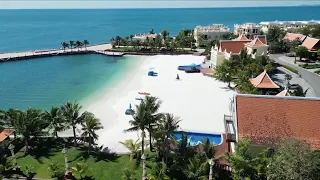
[[294, 86]]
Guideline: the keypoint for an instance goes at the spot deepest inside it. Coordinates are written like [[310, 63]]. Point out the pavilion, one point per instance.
[[265, 83]]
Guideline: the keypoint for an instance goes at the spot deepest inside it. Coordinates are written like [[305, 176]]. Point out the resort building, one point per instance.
[[294, 36], [248, 29], [227, 48], [313, 45], [205, 34], [143, 37], [291, 26], [267, 119]]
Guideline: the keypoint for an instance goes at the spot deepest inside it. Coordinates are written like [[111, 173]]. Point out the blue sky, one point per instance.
[[44, 4]]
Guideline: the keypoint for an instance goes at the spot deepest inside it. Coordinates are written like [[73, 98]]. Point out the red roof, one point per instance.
[[233, 46], [283, 93], [4, 133], [262, 38], [294, 36], [309, 43], [241, 38], [256, 42], [267, 119], [263, 81]]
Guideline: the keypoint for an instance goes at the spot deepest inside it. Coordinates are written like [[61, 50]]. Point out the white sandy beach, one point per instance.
[[198, 100]]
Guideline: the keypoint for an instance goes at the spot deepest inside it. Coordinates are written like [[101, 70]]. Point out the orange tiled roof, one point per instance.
[[233, 46], [263, 81], [4, 133], [266, 119], [262, 38], [294, 36], [309, 43], [241, 38], [283, 93], [256, 42]]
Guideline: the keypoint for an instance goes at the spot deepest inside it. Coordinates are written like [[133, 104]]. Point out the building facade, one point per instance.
[[205, 34], [227, 48], [248, 29], [290, 26]]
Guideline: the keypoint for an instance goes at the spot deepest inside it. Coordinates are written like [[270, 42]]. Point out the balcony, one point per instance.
[[230, 129]]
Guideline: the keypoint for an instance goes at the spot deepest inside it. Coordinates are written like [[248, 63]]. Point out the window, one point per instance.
[[254, 51]]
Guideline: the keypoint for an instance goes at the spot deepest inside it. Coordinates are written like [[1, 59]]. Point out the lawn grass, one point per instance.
[[309, 66], [290, 68], [98, 169], [106, 165]]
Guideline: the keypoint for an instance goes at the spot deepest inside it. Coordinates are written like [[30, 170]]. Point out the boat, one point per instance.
[[144, 93]]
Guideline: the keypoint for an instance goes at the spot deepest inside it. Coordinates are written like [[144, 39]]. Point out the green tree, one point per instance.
[[275, 34], [299, 92], [71, 43], [318, 54], [85, 43], [158, 172], [131, 36], [80, 169], [54, 117], [293, 159], [151, 31], [302, 52], [64, 45], [56, 170], [158, 41], [196, 169], [9, 118], [128, 174], [28, 171], [210, 152], [305, 31], [118, 39], [30, 123], [71, 113], [165, 34], [315, 32], [244, 164], [78, 44], [132, 146], [90, 125], [224, 72]]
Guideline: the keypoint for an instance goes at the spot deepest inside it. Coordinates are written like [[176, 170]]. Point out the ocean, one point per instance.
[[47, 82]]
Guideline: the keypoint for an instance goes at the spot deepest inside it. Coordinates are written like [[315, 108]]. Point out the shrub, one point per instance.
[[291, 69]]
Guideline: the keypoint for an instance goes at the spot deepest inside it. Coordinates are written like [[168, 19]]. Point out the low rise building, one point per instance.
[[205, 34], [294, 36], [143, 37], [290, 26], [248, 29], [268, 119], [256, 48]]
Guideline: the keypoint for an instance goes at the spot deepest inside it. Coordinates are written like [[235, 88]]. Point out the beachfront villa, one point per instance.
[[143, 37], [204, 34], [247, 29], [266, 119], [227, 48], [288, 25]]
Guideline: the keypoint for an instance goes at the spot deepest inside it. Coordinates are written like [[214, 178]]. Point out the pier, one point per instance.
[[94, 49]]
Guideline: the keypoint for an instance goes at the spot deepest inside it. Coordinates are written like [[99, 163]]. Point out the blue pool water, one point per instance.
[[194, 137]]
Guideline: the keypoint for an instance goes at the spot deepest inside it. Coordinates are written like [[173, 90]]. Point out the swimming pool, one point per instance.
[[196, 137]]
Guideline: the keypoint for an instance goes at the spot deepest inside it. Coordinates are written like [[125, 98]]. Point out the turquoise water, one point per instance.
[[194, 138], [37, 29], [44, 82]]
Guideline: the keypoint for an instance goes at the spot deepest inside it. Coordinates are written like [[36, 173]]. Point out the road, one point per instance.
[[312, 78]]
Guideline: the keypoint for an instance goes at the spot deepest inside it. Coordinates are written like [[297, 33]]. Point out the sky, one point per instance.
[[85, 4]]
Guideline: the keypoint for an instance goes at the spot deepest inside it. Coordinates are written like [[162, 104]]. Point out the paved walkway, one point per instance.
[[311, 78]]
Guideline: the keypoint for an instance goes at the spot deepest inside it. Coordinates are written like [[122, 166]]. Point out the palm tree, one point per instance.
[[71, 43], [9, 118], [85, 43], [89, 126], [165, 33], [195, 169], [158, 172], [78, 44], [64, 45], [299, 92], [139, 122], [31, 124], [152, 104], [128, 174], [54, 117], [131, 36], [209, 151], [71, 113], [132, 146], [80, 169], [118, 39], [224, 72], [151, 31]]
